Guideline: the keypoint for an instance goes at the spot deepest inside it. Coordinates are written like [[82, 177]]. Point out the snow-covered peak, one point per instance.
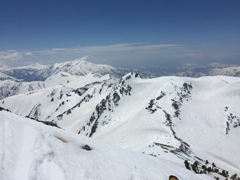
[[80, 60], [131, 75], [82, 67]]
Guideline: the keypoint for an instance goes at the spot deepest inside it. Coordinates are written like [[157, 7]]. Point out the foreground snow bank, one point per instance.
[[31, 150]]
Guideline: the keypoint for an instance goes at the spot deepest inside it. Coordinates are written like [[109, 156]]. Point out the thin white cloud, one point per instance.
[[117, 48], [122, 55], [28, 54], [10, 56], [190, 55], [58, 49]]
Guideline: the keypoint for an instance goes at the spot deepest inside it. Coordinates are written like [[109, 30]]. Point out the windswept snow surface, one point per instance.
[[31, 150]]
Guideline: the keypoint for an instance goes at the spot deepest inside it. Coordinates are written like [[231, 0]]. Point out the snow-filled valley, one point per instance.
[[128, 128]]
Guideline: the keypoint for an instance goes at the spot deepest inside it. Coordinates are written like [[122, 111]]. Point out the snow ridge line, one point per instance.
[[184, 94]]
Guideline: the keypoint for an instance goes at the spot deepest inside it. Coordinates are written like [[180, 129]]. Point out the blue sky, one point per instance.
[[121, 33]]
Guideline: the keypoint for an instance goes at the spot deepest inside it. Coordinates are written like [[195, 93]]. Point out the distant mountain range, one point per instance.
[[80, 67], [213, 69]]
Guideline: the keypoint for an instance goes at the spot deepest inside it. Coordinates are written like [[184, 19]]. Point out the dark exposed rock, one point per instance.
[[3, 109], [86, 147], [150, 106], [173, 177]]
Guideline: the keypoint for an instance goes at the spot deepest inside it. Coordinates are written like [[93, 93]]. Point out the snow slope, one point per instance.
[[31, 150], [6, 77], [11, 87]]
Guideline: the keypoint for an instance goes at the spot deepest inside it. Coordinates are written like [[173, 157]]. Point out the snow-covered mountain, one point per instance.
[[213, 69], [6, 77], [172, 118], [81, 67], [226, 71], [78, 67], [35, 72]]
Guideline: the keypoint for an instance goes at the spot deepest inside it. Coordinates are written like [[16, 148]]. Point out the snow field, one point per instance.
[[51, 153]]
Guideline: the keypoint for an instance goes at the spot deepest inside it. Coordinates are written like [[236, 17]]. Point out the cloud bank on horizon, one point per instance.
[[120, 55]]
